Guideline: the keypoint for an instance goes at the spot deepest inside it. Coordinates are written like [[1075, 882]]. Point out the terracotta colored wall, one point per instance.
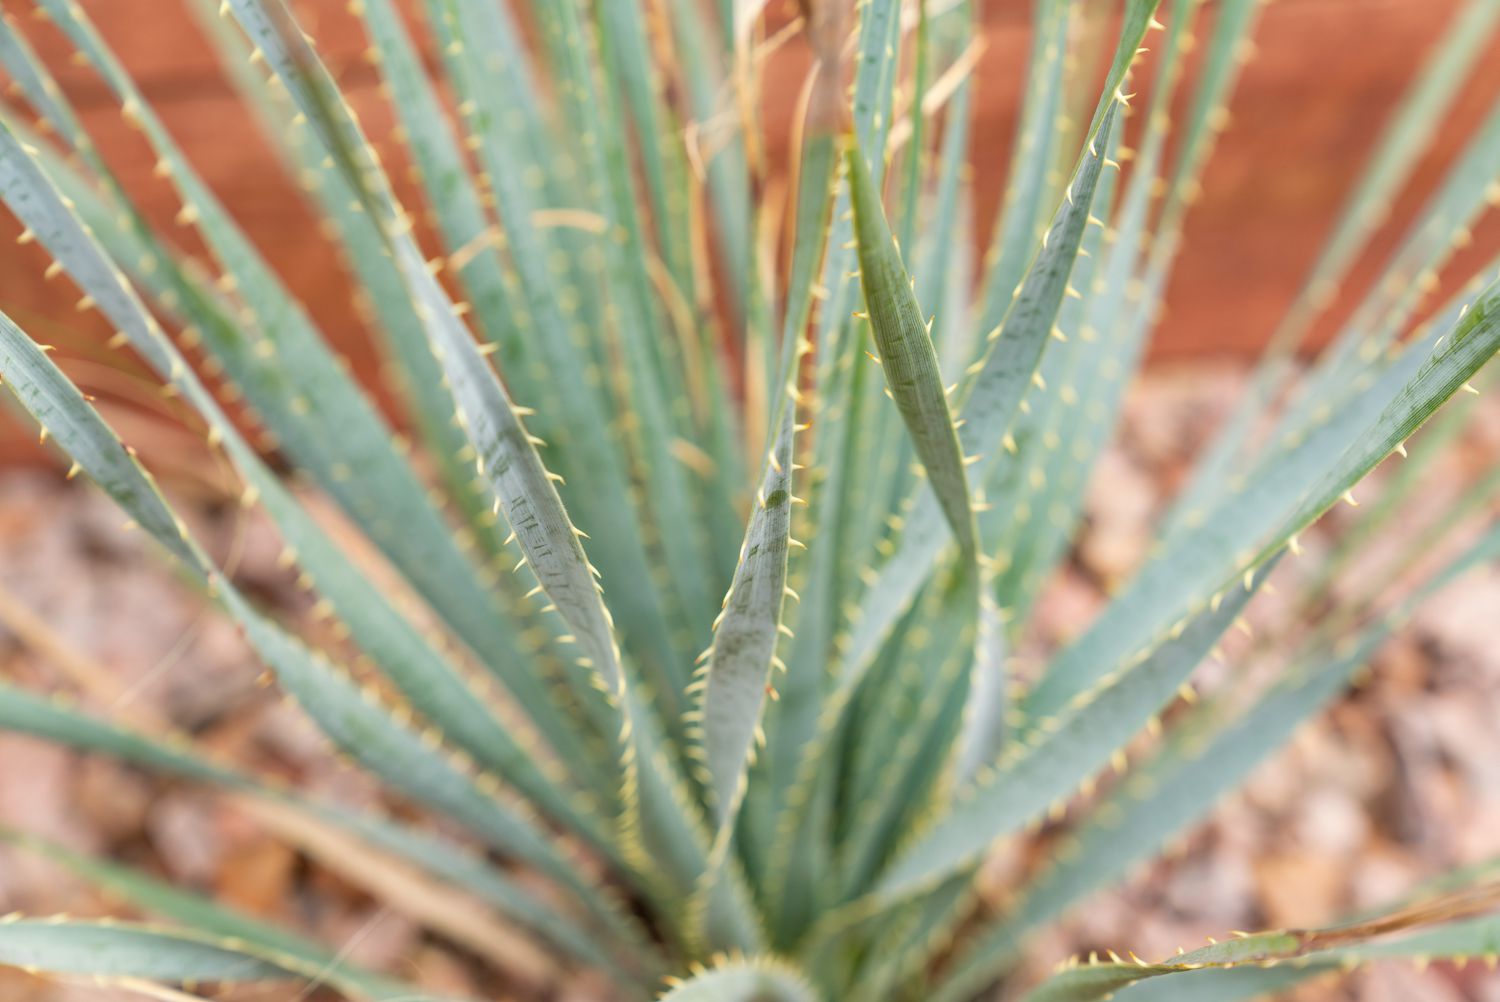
[[1307, 110]]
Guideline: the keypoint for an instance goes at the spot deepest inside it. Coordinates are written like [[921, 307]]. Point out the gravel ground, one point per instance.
[[1400, 781]]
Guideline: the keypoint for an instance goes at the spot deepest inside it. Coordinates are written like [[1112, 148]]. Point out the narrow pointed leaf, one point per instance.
[[299, 388], [1311, 473], [1208, 754], [54, 720], [117, 949], [1076, 745], [386, 635], [354, 718], [907, 357], [988, 405], [209, 918], [737, 672], [743, 981], [1349, 945]]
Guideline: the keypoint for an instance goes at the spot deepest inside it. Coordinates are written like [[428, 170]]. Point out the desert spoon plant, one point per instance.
[[625, 371]]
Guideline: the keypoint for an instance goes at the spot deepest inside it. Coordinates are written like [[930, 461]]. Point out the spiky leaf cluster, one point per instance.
[[640, 375]]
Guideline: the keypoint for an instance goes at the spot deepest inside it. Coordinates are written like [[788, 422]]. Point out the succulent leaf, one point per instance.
[[1315, 948], [908, 359], [1072, 748], [742, 981], [54, 720], [207, 918], [106, 949]]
